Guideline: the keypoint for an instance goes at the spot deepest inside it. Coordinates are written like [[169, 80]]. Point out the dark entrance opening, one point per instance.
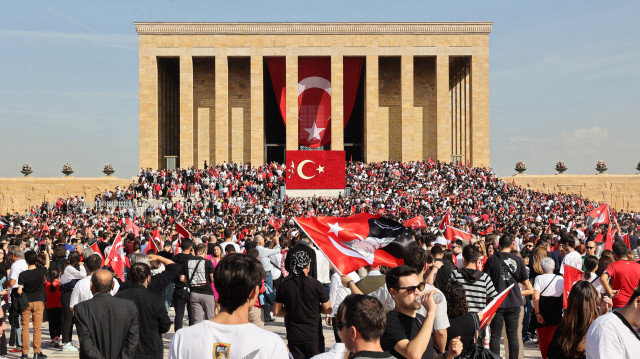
[[354, 132], [169, 112], [275, 132]]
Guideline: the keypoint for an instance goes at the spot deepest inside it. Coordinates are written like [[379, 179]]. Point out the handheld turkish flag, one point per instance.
[[117, 257], [274, 223], [155, 242], [452, 233], [315, 170], [45, 228], [415, 222], [608, 243], [487, 231], [627, 240], [182, 233], [314, 101], [571, 275], [598, 216], [363, 239], [96, 250], [446, 220], [491, 308], [130, 226]]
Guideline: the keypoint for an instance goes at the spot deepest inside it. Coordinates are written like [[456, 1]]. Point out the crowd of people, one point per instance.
[[244, 261]]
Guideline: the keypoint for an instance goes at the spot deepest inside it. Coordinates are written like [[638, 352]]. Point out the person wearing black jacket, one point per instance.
[[178, 302], [159, 281], [107, 326], [153, 320]]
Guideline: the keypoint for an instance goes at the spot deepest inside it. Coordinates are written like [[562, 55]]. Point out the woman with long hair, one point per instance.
[[461, 323], [583, 307]]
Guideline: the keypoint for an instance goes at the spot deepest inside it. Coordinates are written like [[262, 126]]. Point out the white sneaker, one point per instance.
[[69, 348]]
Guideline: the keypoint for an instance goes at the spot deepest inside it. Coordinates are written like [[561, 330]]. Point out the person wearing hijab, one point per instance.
[[298, 300]]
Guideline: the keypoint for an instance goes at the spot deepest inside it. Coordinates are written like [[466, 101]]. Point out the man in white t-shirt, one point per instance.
[[82, 289], [572, 257], [616, 334], [230, 335], [18, 265]]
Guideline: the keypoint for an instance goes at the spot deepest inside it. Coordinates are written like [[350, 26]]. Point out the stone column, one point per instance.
[[292, 103], [186, 112], [337, 103], [257, 111], [376, 126], [480, 109], [149, 142], [222, 109], [411, 124], [443, 105]]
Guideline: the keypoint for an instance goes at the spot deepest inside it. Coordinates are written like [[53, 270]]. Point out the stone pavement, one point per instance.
[[531, 350]]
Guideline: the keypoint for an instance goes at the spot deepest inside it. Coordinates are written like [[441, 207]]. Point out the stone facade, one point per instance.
[[619, 191], [19, 194], [418, 103]]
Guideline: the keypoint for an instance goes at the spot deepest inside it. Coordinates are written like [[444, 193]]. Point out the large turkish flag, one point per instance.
[[314, 101], [315, 170]]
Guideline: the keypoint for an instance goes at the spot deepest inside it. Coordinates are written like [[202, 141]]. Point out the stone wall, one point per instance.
[[19, 194], [619, 191]]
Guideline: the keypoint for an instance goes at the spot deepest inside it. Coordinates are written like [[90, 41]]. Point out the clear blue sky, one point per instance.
[[564, 76]]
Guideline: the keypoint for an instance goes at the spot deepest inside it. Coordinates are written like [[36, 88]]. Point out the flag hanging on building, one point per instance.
[[314, 101], [415, 222], [315, 170], [491, 308], [598, 216], [571, 275], [452, 233], [353, 242]]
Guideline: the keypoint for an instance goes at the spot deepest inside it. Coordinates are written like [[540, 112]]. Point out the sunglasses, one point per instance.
[[413, 288], [591, 247], [340, 325]]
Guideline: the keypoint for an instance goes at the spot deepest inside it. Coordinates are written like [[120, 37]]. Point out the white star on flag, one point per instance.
[[320, 169], [314, 132], [335, 228]]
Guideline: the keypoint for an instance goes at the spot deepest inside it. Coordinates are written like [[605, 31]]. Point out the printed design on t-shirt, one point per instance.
[[509, 266], [199, 277], [221, 350]]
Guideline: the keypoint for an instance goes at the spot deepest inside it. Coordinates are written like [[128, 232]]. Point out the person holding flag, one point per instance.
[[506, 269]]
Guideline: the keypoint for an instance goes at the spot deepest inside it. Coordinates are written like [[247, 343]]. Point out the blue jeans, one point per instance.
[[268, 282], [509, 318], [168, 293]]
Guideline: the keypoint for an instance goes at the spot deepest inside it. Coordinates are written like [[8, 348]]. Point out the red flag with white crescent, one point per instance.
[[598, 216], [353, 242], [491, 308], [446, 220], [314, 101], [130, 226], [182, 233], [155, 242], [96, 250], [274, 223], [452, 233], [608, 243], [415, 222], [117, 257], [315, 170], [571, 275]]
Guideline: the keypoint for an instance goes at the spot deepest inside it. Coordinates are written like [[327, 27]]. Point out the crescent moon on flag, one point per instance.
[[301, 166], [314, 82]]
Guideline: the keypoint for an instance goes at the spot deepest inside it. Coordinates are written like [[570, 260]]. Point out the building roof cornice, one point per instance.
[[317, 28]]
